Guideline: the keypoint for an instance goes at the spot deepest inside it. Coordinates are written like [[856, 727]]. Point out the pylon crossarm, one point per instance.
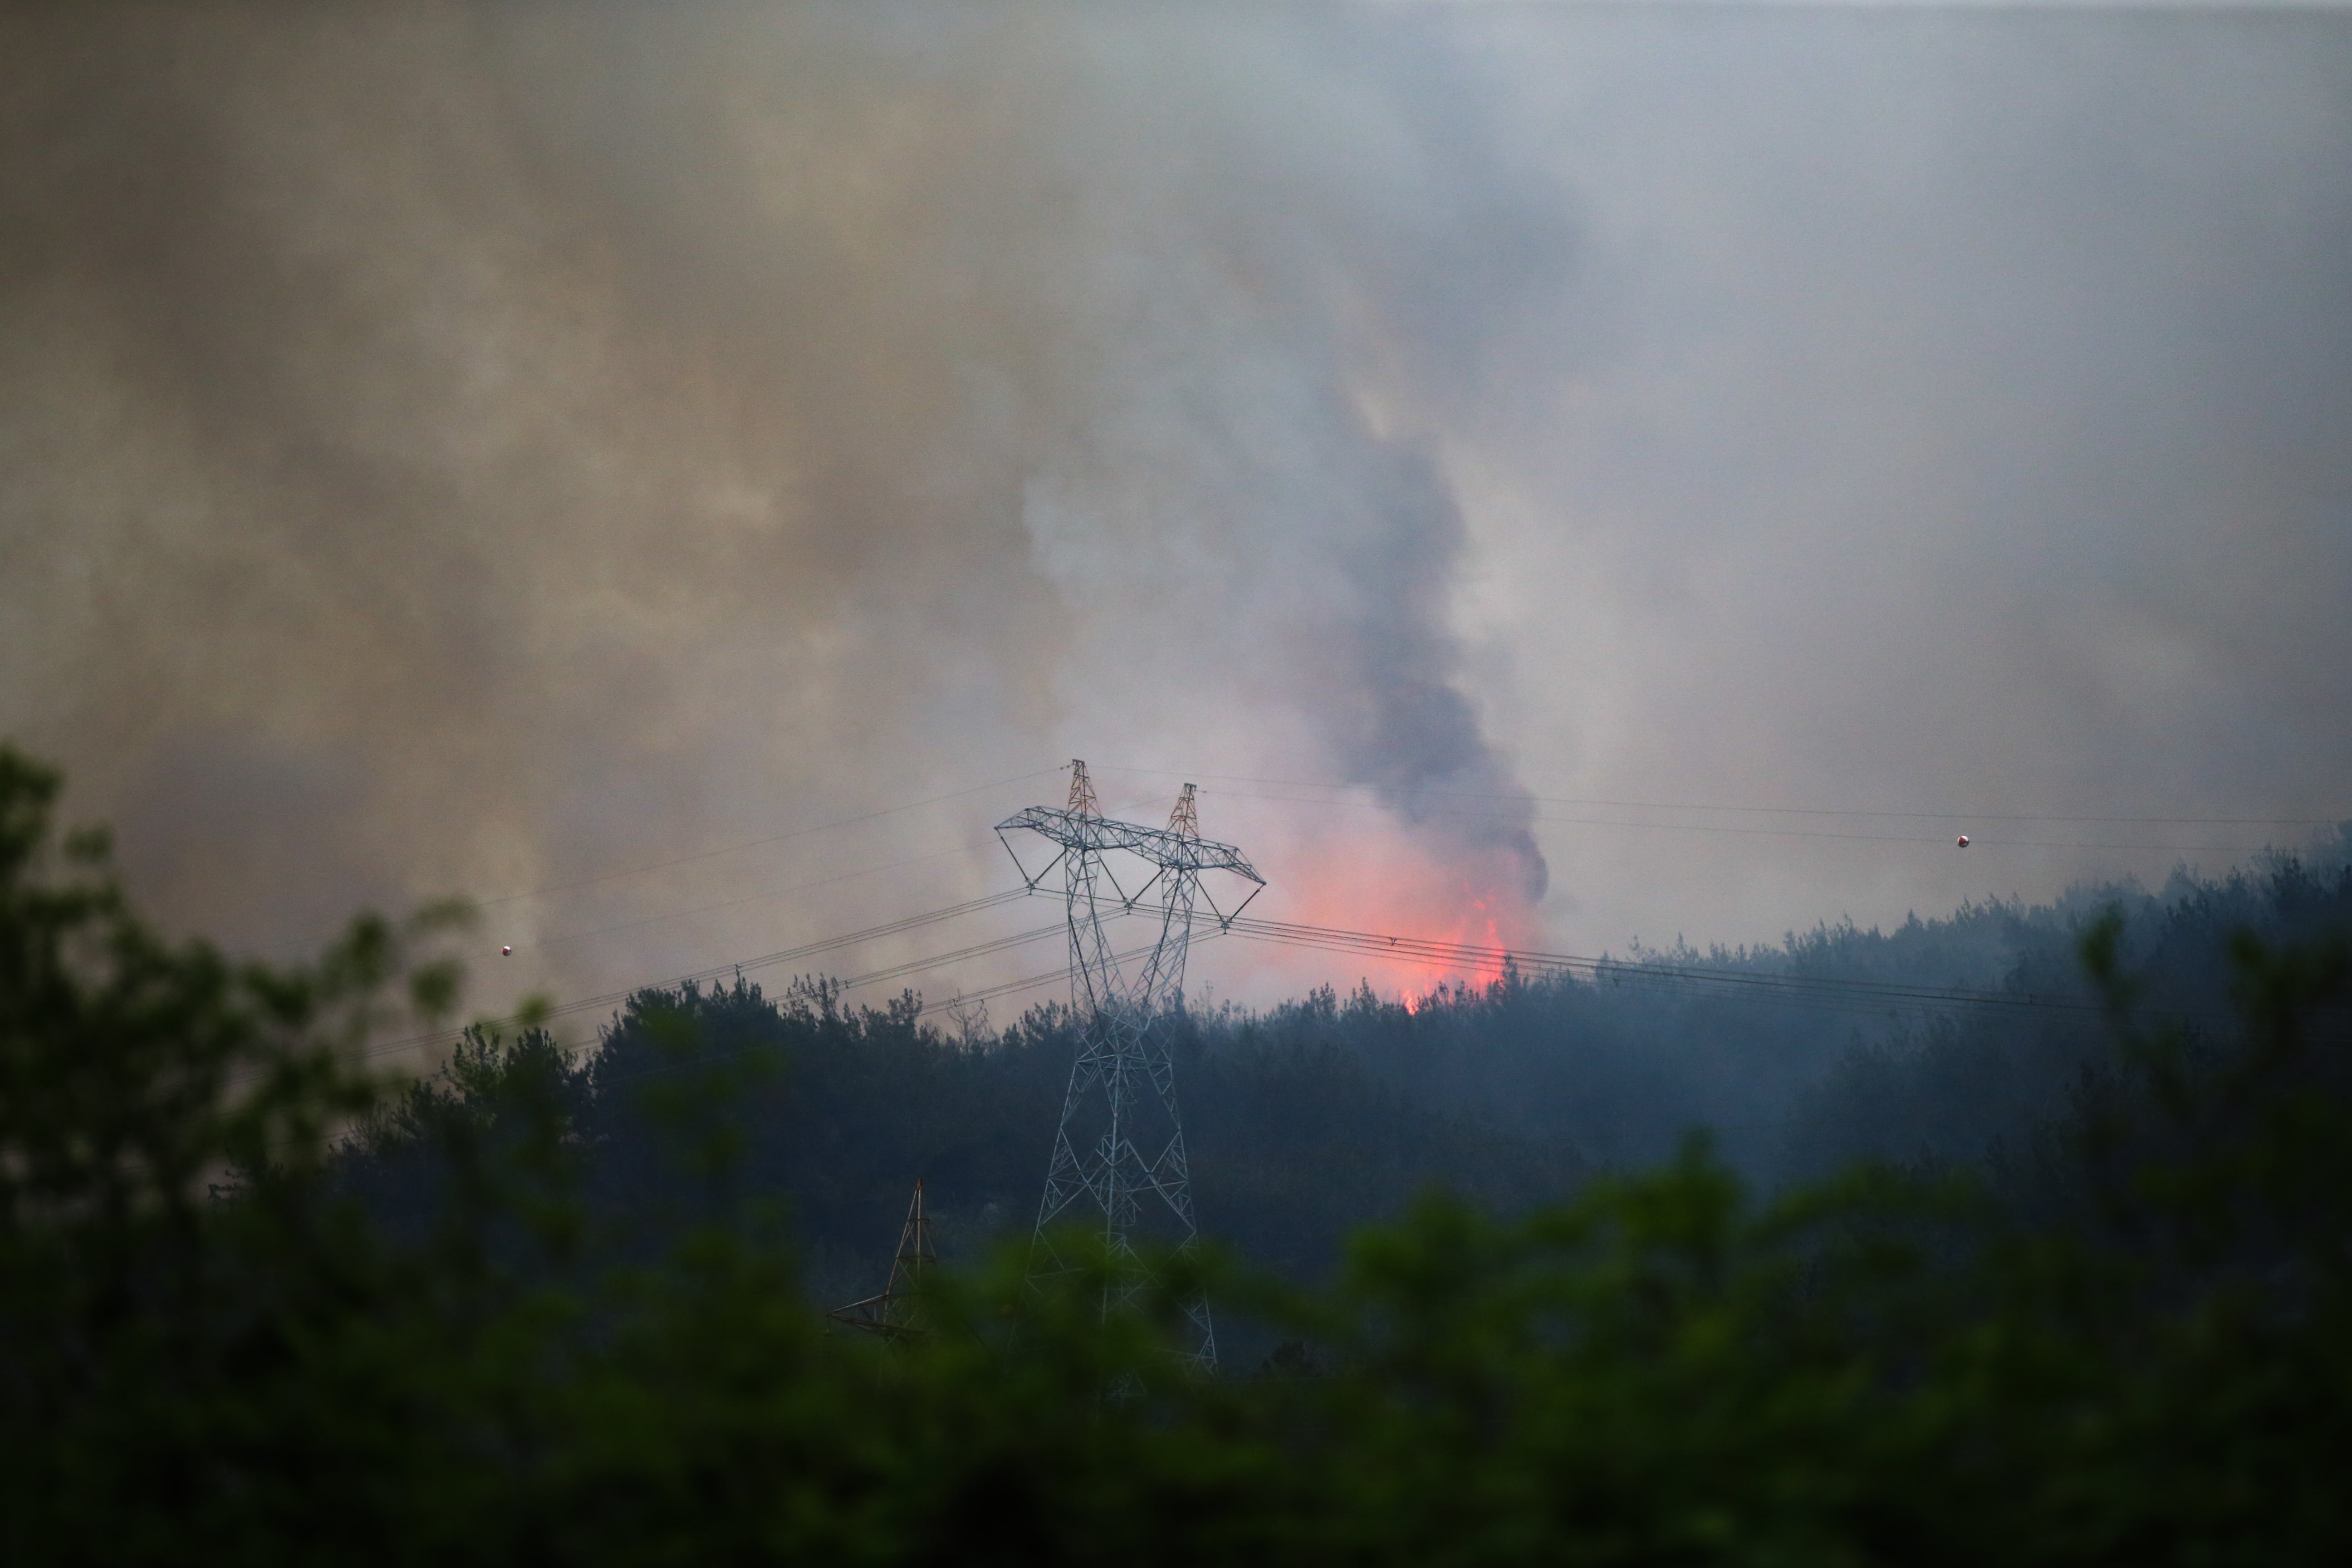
[[1095, 834], [1027, 880], [1126, 900], [1225, 921], [1138, 896], [890, 1315]]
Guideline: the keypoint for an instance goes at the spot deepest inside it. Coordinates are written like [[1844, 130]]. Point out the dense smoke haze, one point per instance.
[[492, 448]]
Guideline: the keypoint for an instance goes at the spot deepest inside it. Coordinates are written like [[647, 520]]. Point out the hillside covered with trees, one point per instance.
[[257, 1306], [1951, 1042]]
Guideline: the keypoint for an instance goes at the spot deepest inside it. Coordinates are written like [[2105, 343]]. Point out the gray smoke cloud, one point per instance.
[[1962, 435], [461, 446], [489, 446]]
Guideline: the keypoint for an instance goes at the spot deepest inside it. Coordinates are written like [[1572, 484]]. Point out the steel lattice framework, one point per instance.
[[1119, 1150], [897, 1314]]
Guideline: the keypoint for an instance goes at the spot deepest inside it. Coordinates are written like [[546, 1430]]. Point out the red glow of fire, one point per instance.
[[1389, 887]]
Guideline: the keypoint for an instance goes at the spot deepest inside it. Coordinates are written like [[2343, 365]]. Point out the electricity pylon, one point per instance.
[[1120, 1144], [896, 1315]]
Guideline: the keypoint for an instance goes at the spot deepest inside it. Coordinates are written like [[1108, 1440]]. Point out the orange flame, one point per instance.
[[1387, 885]]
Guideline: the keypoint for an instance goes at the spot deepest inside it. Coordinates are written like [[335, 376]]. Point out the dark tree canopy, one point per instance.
[[256, 1306]]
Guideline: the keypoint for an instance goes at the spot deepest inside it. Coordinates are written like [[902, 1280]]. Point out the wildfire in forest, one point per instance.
[[1392, 888]]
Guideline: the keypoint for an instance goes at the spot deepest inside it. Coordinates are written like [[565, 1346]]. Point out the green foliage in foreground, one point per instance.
[[208, 1352]]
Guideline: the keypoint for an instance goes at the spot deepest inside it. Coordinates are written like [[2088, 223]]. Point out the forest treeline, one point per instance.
[[1332, 1110], [257, 1306]]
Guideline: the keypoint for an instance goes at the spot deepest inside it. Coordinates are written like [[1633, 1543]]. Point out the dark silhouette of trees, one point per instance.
[[257, 1307]]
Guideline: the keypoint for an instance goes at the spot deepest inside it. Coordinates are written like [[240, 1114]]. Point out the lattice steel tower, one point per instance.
[[897, 1313], [1120, 1146]]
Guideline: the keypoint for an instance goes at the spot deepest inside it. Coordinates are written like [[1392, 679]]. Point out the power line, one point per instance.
[[724, 850], [717, 971], [770, 839], [1831, 994], [891, 973], [1816, 993], [1048, 978], [1057, 976], [1478, 956], [1826, 992], [754, 898], [968, 848], [787, 955], [1956, 817], [977, 950], [1742, 832], [1845, 993]]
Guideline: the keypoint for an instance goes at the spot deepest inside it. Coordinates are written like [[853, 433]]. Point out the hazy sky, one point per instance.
[[483, 448]]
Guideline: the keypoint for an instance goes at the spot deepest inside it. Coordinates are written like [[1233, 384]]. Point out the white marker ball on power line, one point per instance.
[[1963, 841], [509, 951]]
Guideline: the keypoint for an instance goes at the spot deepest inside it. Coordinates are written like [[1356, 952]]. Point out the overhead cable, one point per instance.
[[1416, 792]]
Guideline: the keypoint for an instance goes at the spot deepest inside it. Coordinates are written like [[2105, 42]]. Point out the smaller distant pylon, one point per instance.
[[897, 1313]]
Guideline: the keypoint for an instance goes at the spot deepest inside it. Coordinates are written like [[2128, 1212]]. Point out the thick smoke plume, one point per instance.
[[491, 447], [462, 446]]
